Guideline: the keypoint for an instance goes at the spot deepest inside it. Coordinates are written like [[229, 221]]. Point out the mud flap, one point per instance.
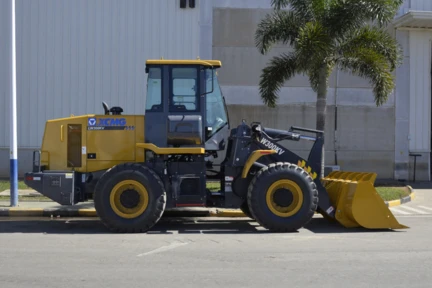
[[357, 202]]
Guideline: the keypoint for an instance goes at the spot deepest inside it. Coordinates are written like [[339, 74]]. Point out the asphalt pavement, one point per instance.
[[216, 252]]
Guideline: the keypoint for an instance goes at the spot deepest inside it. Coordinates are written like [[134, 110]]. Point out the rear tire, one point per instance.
[[271, 204], [245, 209], [130, 198]]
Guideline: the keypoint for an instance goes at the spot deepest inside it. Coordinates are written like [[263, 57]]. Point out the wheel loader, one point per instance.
[[134, 167]]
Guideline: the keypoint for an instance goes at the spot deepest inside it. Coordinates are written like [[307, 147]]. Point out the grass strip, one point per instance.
[[5, 185]]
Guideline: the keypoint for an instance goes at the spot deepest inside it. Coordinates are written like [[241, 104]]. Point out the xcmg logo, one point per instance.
[[107, 122], [272, 146]]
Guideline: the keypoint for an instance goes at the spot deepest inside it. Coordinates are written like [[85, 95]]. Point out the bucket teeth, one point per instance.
[[357, 202]]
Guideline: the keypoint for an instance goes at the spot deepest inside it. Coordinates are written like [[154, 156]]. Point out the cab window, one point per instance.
[[154, 90], [184, 95]]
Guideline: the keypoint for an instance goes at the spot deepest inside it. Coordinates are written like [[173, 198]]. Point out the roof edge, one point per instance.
[[209, 63], [412, 15]]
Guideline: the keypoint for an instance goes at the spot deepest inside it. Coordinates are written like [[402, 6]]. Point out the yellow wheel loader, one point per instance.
[[135, 166]]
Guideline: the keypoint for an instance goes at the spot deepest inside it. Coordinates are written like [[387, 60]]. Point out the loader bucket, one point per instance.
[[357, 202]]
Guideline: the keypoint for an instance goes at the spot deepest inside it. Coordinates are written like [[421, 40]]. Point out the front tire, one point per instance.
[[130, 198], [282, 197]]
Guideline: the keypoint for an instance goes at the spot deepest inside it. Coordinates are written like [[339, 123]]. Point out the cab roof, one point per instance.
[[209, 63]]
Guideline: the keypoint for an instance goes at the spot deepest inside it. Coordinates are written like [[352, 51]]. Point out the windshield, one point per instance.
[[215, 105]]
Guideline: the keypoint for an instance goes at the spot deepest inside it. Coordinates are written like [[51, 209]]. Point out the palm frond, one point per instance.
[[347, 15], [280, 69], [302, 8], [376, 39], [369, 64], [280, 26], [320, 9], [313, 43], [280, 4]]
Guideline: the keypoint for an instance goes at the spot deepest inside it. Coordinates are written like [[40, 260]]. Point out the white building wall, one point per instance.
[[72, 55], [420, 91], [420, 5], [413, 96], [416, 5], [402, 109]]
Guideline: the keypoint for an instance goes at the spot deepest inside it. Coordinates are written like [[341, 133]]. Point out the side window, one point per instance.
[[154, 90], [184, 95]]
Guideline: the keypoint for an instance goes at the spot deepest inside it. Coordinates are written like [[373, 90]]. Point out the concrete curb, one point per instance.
[[403, 200], [88, 212], [41, 212], [91, 212]]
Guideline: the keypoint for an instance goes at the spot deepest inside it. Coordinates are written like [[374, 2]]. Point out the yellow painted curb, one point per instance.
[[393, 203], [87, 212], [412, 195], [26, 212], [402, 201], [228, 213]]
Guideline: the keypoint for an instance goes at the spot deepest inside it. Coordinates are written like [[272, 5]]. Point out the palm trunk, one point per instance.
[[321, 109]]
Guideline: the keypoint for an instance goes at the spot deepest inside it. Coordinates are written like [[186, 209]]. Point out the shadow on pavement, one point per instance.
[[165, 226], [322, 225], [94, 226]]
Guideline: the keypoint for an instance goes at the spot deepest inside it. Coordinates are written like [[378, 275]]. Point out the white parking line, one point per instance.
[[414, 210], [163, 248], [414, 216], [424, 207], [399, 211]]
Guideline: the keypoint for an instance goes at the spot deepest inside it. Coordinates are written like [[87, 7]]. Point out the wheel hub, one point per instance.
[[283, 197], [130, 198]]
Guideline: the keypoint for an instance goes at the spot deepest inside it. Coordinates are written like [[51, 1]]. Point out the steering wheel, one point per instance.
[[218, 122]]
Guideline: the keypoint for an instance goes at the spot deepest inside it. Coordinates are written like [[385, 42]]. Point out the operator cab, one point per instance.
[[184, 105]]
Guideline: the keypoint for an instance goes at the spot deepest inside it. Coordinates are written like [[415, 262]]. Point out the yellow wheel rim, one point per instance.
[[290, 188], [121, 190]]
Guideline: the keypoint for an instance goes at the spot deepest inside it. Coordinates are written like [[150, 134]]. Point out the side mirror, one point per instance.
[[106, 108]]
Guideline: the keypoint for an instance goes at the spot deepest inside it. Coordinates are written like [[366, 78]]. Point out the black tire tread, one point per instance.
[[271, 169], [151, 220], [245, 209]]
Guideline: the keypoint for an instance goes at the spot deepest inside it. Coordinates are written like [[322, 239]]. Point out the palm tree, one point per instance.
[[324, 34]]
